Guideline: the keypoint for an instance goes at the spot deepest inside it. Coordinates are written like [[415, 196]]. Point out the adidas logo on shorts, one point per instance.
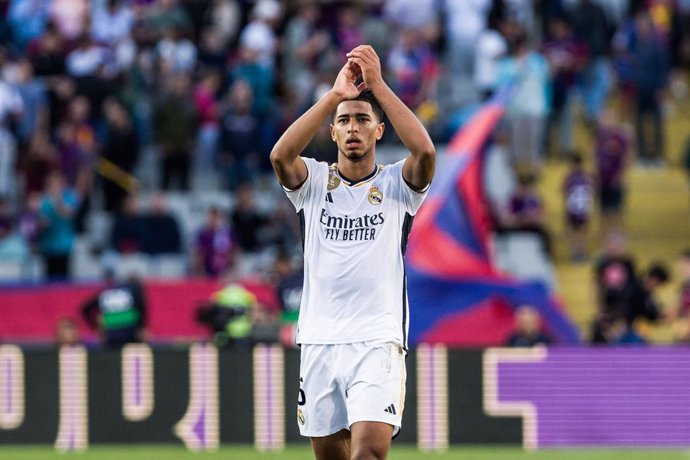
[[390, 409]]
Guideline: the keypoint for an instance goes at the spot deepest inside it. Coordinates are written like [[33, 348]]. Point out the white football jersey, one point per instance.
[[354, 238]]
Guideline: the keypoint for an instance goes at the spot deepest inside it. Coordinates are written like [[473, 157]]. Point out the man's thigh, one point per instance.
[[333, 447], [321, 407], [376, 392]]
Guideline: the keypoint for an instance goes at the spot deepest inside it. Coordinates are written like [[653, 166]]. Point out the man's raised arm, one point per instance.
[[287, 164], [419, 165]]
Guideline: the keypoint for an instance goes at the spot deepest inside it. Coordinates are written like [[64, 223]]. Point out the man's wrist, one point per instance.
[[377, 85], [334, 97]]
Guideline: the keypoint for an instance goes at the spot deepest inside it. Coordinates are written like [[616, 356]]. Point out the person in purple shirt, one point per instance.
[[215, 246], [525, 211], [578, 191], [612, 150]]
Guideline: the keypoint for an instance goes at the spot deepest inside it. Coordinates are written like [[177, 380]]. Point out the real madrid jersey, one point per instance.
[[354, 237]]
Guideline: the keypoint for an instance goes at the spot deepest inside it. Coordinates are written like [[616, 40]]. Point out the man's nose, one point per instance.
[[352, 126]]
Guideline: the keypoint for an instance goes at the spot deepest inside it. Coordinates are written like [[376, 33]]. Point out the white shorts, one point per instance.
[[346, 383]]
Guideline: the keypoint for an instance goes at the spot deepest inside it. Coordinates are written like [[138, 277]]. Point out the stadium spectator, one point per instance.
[[41, 157], [223, 18], [176, 53], [528, 329], [27, 20], [118, 312], [162, 234], [650, 90], [29, 221], [128, 235], [591, 25], [305, 45], [215, 246], [239, 156], [525, 212], [578, 196], [175, 122], [120, 152], [614, 277], [207, 106], [111, 22], [259, 35], [644, 302], [59, 205], [464, 22], [529, 107], [248, 222], [566, 57], [612, 154], [491, 46]]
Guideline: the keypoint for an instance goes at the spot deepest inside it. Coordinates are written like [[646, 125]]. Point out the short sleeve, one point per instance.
[[412, 198], [301, 195]]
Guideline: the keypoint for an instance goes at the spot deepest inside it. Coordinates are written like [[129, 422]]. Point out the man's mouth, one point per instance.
[[352, 143]]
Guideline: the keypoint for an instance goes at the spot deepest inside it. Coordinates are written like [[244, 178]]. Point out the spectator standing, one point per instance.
[[259, 34], [120, 151], [651, 76], [304, 45], [465, 21], [175, 123], [207, 107], [239, 156], [566, 56], [578, 195], [591, 25], [529, 108], [612, 154], [491, 47], [59, 205]]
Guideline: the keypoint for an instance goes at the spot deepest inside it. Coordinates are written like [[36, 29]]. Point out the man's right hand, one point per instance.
[[345, 86]]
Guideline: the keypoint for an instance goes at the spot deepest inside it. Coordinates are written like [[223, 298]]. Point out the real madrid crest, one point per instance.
[[333, 179], [375, 195], [300, 417]]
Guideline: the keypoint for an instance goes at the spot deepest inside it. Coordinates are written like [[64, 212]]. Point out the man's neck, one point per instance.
[[354, 171]]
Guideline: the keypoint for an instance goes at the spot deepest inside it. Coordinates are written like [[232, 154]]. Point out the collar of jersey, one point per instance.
[[355, 183]]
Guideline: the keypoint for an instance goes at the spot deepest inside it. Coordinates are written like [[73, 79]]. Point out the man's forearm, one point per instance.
[[302, 131], [406, 124]]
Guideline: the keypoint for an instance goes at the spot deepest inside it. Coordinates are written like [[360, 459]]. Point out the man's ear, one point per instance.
[[332, 131], [379, 131]]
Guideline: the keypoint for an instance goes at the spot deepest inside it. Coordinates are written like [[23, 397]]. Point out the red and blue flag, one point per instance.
[[457, 295]]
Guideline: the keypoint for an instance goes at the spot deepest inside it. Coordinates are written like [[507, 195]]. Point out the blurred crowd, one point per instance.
[[103, 102]]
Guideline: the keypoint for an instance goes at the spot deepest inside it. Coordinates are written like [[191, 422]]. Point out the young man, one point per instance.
[[356, 216]]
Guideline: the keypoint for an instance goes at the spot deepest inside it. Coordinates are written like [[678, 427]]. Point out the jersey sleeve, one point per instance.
[[411, 198], [301, 195]]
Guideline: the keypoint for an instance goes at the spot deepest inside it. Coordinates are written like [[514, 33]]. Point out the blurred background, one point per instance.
[[137, 202]]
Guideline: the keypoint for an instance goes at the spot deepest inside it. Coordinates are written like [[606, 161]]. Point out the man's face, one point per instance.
[[355, 129]]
